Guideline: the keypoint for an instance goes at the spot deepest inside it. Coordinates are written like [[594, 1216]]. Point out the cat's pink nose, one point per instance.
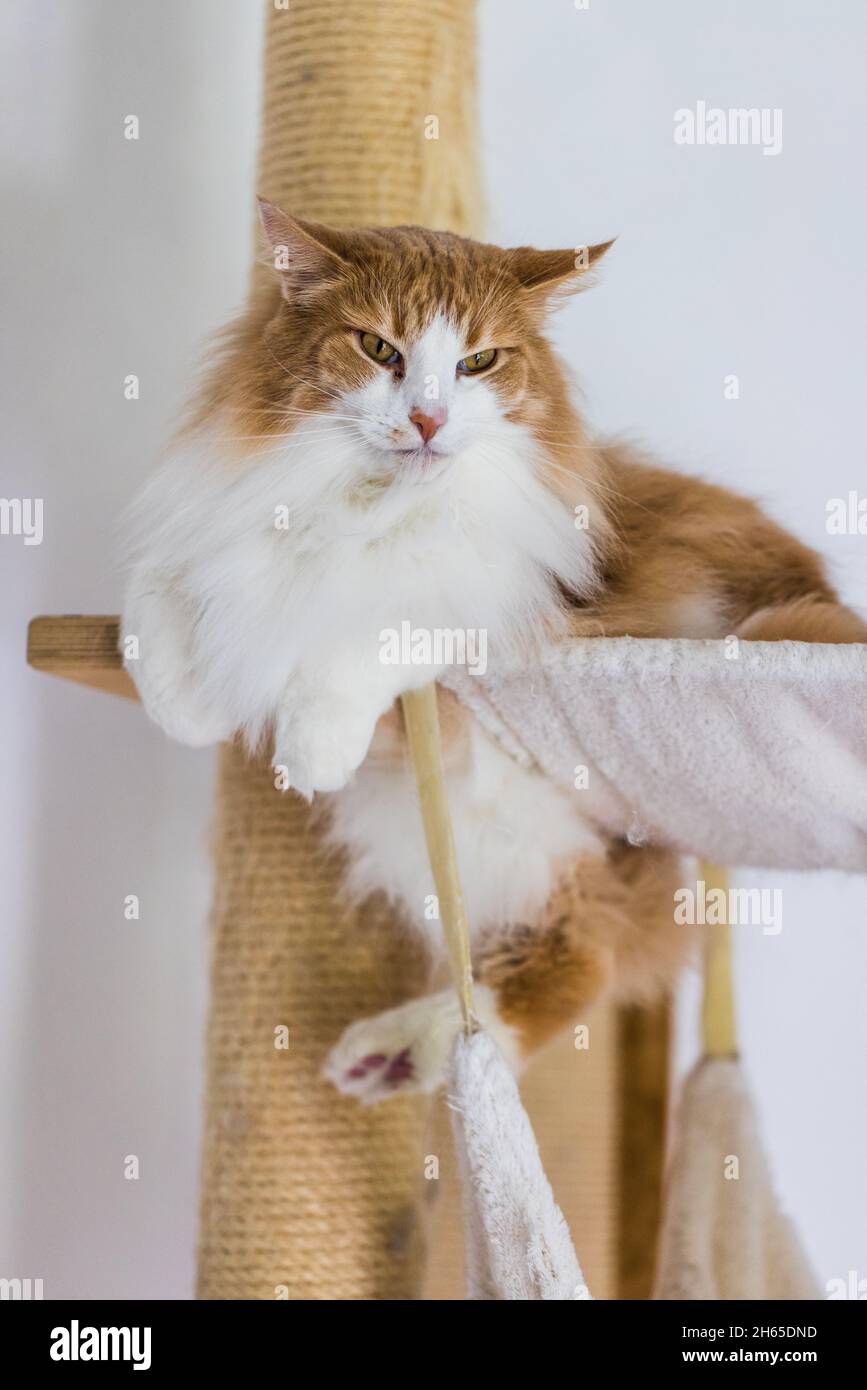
[[427, 422]]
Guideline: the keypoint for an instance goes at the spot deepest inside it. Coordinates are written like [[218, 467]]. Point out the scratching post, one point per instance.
[[307, 1195], [370, 113]]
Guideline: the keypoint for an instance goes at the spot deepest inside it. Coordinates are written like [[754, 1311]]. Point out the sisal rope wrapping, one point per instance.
[[348, 88], [307, 1195]]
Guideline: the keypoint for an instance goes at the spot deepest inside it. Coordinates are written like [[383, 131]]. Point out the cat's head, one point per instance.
[[422, 345]]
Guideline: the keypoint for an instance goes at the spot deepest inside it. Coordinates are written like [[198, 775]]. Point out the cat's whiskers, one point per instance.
[[570, 449], [294, 419], [290, 437], [290, 443], [286, 408], [596, 483], [556, 442], [304, 380], [488, 453]]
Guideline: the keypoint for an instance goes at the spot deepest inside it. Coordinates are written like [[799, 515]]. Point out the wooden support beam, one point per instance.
[[644, 1062], [82, 648]]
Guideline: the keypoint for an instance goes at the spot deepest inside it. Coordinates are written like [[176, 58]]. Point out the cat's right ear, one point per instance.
[[549, 277], [305, 255]]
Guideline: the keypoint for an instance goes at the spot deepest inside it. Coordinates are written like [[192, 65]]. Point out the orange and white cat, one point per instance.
[[388, 438]]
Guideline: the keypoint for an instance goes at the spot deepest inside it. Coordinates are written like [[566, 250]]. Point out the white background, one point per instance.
[[120, 258]]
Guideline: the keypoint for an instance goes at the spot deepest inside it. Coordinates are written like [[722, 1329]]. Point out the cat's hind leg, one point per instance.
[[407, 1048], [530, 986], [805, 620], [609, 926]]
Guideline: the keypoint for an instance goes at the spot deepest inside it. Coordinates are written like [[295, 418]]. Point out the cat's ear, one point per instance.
[[306, 255], [548, 277]]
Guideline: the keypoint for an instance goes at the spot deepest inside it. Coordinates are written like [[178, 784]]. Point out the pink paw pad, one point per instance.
[[367, 1064], [400, 1068]]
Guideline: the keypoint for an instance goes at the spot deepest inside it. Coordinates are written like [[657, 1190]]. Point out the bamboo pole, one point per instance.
[[423, 732], [718, 1019]]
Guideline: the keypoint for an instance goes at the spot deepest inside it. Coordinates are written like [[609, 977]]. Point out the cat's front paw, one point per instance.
[[319, 746], [158, 655], [171, 698], [197, 728], [405, 1049]]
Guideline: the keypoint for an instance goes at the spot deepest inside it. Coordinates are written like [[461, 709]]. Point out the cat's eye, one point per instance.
[[379, 350], [478, 361]]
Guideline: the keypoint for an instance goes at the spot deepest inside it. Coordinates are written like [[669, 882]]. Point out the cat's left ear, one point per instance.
[[306, 255], [551, 276]]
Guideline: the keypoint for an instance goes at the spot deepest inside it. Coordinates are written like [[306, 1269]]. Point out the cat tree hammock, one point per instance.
[[306, 1194]]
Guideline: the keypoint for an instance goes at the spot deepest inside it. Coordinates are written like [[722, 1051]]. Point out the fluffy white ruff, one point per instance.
[[407, 1049], [514, 832], [242, 624]]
